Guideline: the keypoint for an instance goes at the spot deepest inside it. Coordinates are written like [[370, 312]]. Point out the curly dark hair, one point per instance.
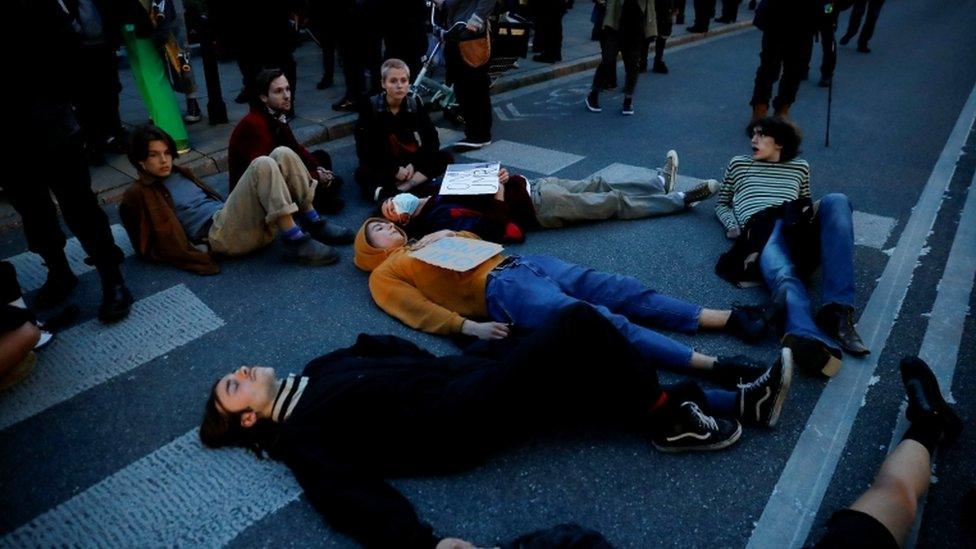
[[220, 429], [783, 132], [139, 141]]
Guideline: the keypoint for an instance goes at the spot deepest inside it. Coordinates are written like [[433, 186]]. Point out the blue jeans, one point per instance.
[[836, 258], [530, 289]]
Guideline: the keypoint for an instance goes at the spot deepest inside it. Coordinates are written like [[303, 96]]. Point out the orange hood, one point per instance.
[[369, 257]]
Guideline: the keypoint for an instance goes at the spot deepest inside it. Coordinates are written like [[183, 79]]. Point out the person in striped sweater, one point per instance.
[[763, 182]]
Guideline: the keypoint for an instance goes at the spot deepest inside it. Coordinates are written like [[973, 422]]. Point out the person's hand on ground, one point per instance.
[[485, 330], [325, 176], [733, 233], [502, 176]]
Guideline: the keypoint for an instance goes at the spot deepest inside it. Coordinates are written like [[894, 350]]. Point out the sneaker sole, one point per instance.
[[670, 170], [786, 358], [627, 113], [702, 447], [590, 108]]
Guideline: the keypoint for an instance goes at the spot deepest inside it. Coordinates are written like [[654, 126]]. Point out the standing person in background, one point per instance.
[[168, 21], [471, 83], [44, 119], [663, 10], [549, 30], [404, 32], [321, 19], [626, 25], [787, 33], [263, 35], [826, 27], [874, 9], [730, 11], [704, 11]]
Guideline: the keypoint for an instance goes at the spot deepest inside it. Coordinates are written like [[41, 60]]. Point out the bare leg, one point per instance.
[[713, 319], [702, 362], [15, 345], [893, 497]]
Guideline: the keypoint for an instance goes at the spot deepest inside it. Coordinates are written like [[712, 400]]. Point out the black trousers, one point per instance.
[[629, 48], [786, 52], [96, 95], [320, 17], [704, 11], [431, 165], [730, 9], [471, 87], [828, 45], [71, 184], [857, 12], [548, 39]]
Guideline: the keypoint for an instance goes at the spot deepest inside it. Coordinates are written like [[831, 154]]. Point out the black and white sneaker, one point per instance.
[[628, 107], [761, 401], [467, 143], [592, 102], [692, 430], [702, 191], [669, 173]]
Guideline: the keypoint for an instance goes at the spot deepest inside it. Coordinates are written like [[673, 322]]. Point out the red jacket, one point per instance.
[[257, 134]]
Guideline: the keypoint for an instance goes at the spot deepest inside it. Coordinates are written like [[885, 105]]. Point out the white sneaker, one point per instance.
[[670, 171]]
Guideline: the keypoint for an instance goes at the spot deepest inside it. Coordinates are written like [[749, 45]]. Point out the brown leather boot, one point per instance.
[[783, 111], [759, 111]]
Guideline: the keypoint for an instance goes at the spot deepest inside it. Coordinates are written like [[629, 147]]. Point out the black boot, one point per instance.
[[837, 321], [59, 284], [116, 298], [659, 67]]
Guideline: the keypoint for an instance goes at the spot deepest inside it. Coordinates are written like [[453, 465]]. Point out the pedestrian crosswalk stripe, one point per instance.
[[92, 353], [872, 230], [525, 157], [181, 495], [31, 272]]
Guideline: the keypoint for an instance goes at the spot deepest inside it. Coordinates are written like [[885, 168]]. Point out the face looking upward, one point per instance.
[[764, 147], [159, 160], [389, 212], [384, 235], [279, 95], [249, 389]]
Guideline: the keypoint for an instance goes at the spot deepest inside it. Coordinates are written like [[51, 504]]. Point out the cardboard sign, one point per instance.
[[468, 179], [457, 253]]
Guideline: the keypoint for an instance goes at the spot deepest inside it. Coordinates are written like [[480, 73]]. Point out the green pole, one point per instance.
[[154, 87]]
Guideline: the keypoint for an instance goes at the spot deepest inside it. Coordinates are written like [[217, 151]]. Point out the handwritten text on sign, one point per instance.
[[466, 179], [457, 253]]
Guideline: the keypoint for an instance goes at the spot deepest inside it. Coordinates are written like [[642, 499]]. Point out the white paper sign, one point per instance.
[[468, 179], [457, 253]]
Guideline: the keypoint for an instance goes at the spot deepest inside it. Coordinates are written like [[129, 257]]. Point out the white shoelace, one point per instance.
[[703, 420]]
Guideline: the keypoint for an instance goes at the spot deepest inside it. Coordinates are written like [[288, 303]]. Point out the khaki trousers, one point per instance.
[[561, 201], [272, 186]]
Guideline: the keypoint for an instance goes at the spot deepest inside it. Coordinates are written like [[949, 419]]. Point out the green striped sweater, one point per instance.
[[751, 186]]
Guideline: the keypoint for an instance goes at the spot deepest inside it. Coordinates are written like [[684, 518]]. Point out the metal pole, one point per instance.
[[216, 109]]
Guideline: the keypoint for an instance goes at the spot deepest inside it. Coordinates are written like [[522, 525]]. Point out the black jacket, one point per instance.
[[381, 135], [788, 16]]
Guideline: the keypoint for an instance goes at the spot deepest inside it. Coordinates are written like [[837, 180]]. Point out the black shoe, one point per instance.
[[242, 97], [116, 302], [324, 84], [824, 82], [329, 233], [731, 372], [811, 355], [925, 401], [193, 114], [845, 39], [863, 48], [56, 288], [659, 67], [543, 58], [702, 191], [344, 105], [592, 102], [761, 401], [837, 321], [690, 429], [308, 251], [751, 322], [695, 29], [628, 106]]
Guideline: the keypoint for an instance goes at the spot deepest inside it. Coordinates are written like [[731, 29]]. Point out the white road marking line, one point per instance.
[[526, 157], [940, 346], [793, 505], [872, 230], [31, 272], [92, 353], [181, 495]]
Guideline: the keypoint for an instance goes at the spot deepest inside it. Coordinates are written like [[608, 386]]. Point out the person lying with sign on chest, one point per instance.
[[518, 204], [500, 292]]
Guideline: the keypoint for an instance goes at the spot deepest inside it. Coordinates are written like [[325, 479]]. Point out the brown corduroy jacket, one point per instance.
[[149, 217]]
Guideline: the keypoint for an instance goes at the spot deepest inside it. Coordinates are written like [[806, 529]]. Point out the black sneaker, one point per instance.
[[193, 114], [751, 322], [691, 430], [116, 302], [761, 401], [592, 102], [329, 233], [925, 397], [702, 191], [659, 67], [628, 107], [732, 371]]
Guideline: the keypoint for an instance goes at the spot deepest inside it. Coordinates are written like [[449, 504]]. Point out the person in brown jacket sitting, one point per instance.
[[173, 217]]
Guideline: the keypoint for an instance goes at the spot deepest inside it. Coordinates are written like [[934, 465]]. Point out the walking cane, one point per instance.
[[829, 9]]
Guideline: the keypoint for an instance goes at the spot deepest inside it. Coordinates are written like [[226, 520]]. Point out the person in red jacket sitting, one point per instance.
[[265, 128]]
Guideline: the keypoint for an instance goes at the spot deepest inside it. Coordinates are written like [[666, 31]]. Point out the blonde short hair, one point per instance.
[[393, 63]]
